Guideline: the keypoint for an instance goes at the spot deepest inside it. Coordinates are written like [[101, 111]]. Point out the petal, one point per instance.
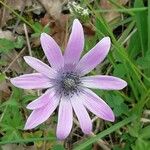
[[40, 115], [104, 82], [97, 106], [52, 51], [31, 81], [75, 44], [40, 66], [82, 114], [65, 119], [95, 56], [43, 100]]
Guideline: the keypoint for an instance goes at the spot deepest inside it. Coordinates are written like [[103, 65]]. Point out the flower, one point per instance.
[[76, 8], [66, 83]]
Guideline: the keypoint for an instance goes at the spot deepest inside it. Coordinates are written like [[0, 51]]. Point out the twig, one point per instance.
[[9, 66], [27, 39], [146, 112], [101, 143], [145, 120], [94, 118], [18, 20], [2, 17]]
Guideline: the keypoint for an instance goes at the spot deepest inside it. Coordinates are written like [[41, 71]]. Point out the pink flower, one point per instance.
[[66, 83]]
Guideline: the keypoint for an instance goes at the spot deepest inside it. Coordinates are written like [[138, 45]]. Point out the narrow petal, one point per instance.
[[31, 81], [65, 119], [40, 115], [104, 82], [40, 66], [95, 56], [52, 51], [43, 100], [97, 106], [75, 44], [82, 114]]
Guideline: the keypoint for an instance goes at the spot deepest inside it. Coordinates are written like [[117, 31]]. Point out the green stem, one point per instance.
[[120, 6], [104, 133], [20, 17], [121, 51], [148, 25], [123, 10], [27, 140]]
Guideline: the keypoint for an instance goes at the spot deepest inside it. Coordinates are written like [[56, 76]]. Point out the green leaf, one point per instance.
[[119, 71], [142, 25], [104, 133], [6, 45], [39, 29], [58, 147], [2, 77], [141, 145], [145, 132], [20, 42], [143, 61]]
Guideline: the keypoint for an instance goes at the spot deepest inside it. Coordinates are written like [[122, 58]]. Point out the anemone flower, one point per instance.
[[66, 83]]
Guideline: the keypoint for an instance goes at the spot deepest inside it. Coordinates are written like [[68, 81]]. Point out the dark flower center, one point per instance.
[[69, 83]]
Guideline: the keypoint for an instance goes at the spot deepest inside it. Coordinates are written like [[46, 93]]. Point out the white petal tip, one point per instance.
[[26, 58], [61, 137], [25, 128], [107, 40], [76, 20], [123, 85], [76, 23], [12, 80], [28, 127], [28, 107], [112, 119], [88, 131], [43, 34]]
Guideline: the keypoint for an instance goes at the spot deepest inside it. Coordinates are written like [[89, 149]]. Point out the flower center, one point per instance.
[[69, 83]]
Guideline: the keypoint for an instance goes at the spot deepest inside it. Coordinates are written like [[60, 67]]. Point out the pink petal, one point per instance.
[[82, 114], [40, 66], [52, 51], [43, 100], [40, 115], [104, 82], [31, 81], [97, 106], [95, 56], [75, 44], [65, 119]]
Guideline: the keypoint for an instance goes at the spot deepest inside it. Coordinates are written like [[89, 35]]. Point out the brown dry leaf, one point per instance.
[[110, 16], [7, 35], [4, 90], [18, 4], [59, 30], [5, 15], [58, 27], [53, 7], [16, 67], [55, 19], [17, 147]]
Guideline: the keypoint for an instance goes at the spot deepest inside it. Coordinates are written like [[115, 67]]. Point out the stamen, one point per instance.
[[68, 84]]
